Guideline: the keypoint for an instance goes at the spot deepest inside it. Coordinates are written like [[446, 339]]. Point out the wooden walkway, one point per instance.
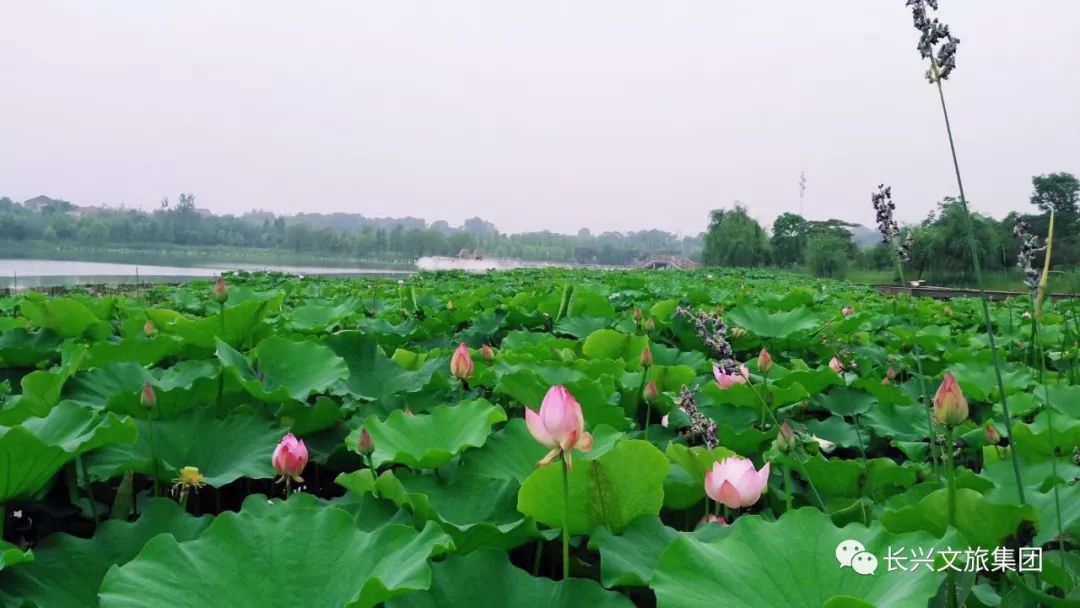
[[948, 293]]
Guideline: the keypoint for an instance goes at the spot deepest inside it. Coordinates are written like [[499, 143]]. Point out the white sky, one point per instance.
[[610, 114]]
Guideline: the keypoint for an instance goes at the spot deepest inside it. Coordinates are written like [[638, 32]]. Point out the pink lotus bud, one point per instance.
[[559, 425], [148, 328], [950, 407], [785, 440], [147, 396], [764, 361], [221, 291], [734, 483], [993, 437], [728, 379], [646, 358], [890, 374], [835, 365], [650, 393], [637, 313], [847, 310], [461, 364], [290, 457], [487, 352], [364, 445], [650, 324], [711, 519]]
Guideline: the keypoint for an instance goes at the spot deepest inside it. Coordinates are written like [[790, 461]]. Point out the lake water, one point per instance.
[[45, 273]]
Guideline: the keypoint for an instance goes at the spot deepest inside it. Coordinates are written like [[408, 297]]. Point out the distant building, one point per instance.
[[39, 203]]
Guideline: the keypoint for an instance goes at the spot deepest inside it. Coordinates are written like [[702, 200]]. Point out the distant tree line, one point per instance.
[[181, 223], [940, 250]]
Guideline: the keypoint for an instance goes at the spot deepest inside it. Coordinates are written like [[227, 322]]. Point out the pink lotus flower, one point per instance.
[[646, 358], [487, 352], [221, 291], [993, 437], [764, 361], [148, 328], [559, 425], [461, 364], [726, 379], [650, 324], [835, 365], [147, 396], [637, 313], [950, 406], [365, 445], [847, 310], [289, 459], [734, 483]]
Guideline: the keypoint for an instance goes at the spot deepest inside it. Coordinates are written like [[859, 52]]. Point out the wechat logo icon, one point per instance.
[[852, 554]]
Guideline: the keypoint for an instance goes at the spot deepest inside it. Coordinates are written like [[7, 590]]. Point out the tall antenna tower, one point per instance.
[[802, 191]]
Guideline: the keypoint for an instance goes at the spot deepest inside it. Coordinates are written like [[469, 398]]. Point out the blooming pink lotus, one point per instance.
[[289, 459], [733, 482], [461, 364], [835, 365], [559, 425], [726, 379], [847, 310]]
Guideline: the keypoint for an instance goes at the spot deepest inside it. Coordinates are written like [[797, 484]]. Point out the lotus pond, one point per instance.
[[328, 442]]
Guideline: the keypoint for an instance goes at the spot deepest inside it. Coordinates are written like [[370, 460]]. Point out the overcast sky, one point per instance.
[[610, 114]]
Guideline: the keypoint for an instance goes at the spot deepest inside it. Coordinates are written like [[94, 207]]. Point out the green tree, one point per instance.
[[789, 235], [827, 255], [735, 239], [1057, 192]]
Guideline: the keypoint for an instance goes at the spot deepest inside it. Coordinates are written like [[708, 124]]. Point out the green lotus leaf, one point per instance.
[[765, 324], [510, 453], [790, 562], [982, 523], [844, 401], [371, 374], [243, 323], [491, 581], [320, 316], [580, 326], [22, 348], [67, 571], [66, 317], [978, 381], [629, 559], [685, 485], [427, 441], [185, 385], [10, 555], [284, 369], [269, 555], [32, 452], [612, 490], [224, 449], [611, 344], [142, 350]]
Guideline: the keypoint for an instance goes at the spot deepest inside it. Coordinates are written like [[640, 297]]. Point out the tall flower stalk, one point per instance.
[[1037, 284], [890, 232], [950, 410], [938, 46]]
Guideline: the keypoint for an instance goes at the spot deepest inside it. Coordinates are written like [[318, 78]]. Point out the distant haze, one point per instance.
[[611, 115]]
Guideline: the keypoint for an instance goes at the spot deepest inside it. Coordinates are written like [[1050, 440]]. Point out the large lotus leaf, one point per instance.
[[671, 377], [10, 555], [629, 559], [242, 323], [277, 555], [898, 422], [22, 348], [284, 369], [66, 317], [511, 453], [474, 509], [612, 490], [580, 326], [766, 324], [319, 316], [31, 453], [790, 562], [179, 388], [844, 401], [427, 441], [611, 344], [851, 478], [982, 523], [1065, 399], [1033, 439], [487, 579], [224, 449], [142, 350], [1046, 504], [978, 381], [95, 387], [67, 571], [371, 374], [41, 389]]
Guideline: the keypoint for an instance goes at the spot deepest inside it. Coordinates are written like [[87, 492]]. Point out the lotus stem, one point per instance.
[[973, 246], [950, 473], [1050, 427], [565, 521], [802, 469], [927, 403], [153, 454], [80, 470]]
